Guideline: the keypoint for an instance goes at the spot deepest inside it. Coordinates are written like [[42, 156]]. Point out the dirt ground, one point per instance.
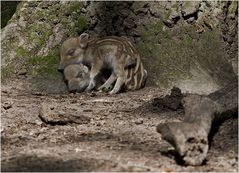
[[120, 136]]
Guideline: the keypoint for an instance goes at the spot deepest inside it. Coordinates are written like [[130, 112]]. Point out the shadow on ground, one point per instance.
[[33, 163]]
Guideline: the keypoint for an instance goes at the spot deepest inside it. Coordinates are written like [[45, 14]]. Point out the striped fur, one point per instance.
[[136, 75]]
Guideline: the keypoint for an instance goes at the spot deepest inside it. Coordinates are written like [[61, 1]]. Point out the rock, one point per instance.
[[168, 23], [234, 63], [174, 15], [202, 113], [23, 71], [74, 101], [85, 3], [7, 105], [39, 123], [171, 102], [136, 168], [140, 7], [5, 91], [29, 32], [92, 94], [139, 121], [37, 93], [154, 9], [93, 22], [51, 113], [119, 116], [189, 8], [53, 40], [124, 13], [92, 11], [83, 10], [129, 23]]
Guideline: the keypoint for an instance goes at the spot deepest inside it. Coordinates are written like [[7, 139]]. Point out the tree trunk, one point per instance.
[[190, 137]]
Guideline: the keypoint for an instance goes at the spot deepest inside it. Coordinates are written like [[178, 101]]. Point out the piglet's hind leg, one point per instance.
[[121, 78]]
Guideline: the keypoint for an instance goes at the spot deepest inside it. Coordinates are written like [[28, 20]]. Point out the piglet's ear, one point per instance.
[[83, 40]]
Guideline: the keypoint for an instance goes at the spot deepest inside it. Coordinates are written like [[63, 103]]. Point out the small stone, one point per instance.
[[55, 21], [124, 12], [93, 22], [74, 101], [174, 15], [85, 4], [22, 72], [100, 123], [72, 94], [38, 122], [92, 11], [154, 10], [129, 23], [37, 93], [120, 116], [140, 7], [83, 10], [139, 121], [189, 8], [87, 110], [113, 111], [168, 23], [7, 105], [92, 94], [137, 169], [4, 91], [190, 20]]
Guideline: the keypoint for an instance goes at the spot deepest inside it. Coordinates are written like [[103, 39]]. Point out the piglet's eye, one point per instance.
[[71, 51]]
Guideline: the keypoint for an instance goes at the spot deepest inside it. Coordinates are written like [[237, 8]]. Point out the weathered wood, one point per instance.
[[52, 114], [190, 138]]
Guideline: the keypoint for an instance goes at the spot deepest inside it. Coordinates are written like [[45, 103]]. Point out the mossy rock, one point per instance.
[[182, 54], [34, 43], [233, 7]]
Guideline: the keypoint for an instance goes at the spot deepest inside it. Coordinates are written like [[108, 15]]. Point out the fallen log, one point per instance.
[[190, 137]]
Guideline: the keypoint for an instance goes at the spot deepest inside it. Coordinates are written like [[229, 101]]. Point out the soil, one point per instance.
[[119, 136]]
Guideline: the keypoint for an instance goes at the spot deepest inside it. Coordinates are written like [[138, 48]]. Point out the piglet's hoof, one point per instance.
[[105, 88], [113, 92], [90, 87]]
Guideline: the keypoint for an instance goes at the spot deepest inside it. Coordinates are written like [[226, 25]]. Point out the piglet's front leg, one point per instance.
[[93, 73]]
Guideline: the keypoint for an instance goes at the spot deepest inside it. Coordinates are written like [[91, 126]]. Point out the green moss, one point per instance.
[[137, 5], [80, 24], [74, 7], [7, 71], [152, 30], [166, 14], [232, 8], [175, 6], [186, 4], [38, 33], [21, 52], [72, 19], [43, 65], [10, 68], [39, 28]]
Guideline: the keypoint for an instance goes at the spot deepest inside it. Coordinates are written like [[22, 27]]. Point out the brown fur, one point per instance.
[[115, 53]]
